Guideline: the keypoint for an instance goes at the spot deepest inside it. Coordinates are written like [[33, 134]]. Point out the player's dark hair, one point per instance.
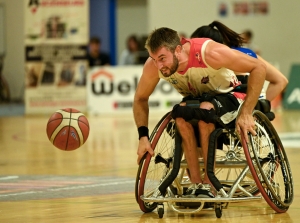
[[95, 39], [162, 37], [220, 33]]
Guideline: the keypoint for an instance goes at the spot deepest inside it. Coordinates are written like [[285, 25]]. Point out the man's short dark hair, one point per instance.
[[162, 37], [95, 39]]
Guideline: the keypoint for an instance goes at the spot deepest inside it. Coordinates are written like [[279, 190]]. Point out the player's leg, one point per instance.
[[225, 107], [205, 129], [189, 146]]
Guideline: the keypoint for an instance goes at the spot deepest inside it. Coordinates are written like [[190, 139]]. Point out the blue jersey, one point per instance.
[[246, 51], [244, 79]]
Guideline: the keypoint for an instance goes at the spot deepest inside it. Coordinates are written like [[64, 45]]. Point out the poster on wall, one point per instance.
[[245, 8], [56, 37]]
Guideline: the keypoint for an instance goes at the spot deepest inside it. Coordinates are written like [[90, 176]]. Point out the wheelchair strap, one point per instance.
[[176, 165], [189, 113], [212, 146]]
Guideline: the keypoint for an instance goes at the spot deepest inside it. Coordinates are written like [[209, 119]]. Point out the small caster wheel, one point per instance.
[[160, 210], [218, 212]]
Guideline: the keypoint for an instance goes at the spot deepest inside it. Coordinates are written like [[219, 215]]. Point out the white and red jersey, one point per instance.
[[199, 77]]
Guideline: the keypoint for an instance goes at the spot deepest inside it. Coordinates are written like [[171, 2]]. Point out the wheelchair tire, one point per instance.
[[269, 164], [151, 171]]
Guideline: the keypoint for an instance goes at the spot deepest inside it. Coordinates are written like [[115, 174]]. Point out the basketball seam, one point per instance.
[[80, 133], [68, 129], [84, 123], [59, 132], [71, 119]]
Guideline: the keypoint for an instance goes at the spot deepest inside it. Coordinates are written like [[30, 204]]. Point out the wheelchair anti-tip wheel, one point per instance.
[[269, 164]]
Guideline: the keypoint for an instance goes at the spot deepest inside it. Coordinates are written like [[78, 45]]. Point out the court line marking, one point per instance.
[[289, 134], [9, 177], [70, 188], [290, 139]]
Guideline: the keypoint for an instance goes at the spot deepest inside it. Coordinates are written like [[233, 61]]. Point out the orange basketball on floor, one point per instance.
[[68, 129]]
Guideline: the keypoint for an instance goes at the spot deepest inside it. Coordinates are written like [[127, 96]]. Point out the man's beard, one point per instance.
[[172, 69]]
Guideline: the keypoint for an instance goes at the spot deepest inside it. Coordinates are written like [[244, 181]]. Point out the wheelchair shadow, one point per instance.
[[172, 216], [208, 216]]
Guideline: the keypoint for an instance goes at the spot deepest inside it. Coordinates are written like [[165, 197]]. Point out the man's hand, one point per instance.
[[245, 124], [144, 146]]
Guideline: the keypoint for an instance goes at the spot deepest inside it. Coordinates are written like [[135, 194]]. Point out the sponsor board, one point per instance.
[[56, 37], [111, 90], [291, 98]]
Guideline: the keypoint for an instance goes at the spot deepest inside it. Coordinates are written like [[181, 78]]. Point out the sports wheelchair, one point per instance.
[[238, 170]]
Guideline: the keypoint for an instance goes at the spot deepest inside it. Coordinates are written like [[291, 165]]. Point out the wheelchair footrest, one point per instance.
[[220, 164], [183, 199]]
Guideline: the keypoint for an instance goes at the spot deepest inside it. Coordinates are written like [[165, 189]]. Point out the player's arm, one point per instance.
[[145, 88], [218, 56], [277, 80]]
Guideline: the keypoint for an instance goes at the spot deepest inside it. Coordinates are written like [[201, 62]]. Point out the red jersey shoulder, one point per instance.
[[195, 51]]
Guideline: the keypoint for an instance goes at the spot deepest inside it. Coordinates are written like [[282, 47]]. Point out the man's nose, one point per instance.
[[159, 65]]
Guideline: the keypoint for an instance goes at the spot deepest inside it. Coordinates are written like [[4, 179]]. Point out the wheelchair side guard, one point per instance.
[[212, 146], [176, 165], [264, 106]]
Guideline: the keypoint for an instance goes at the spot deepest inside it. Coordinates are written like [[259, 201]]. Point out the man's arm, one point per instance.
[[218, 56], [277, 80], [145, 88]]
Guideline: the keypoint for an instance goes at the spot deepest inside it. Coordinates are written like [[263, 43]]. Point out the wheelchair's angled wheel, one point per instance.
[[152, 170], [230, 162], [269, 164]]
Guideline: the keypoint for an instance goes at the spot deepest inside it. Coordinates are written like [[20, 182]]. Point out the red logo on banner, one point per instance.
[[102, 73]]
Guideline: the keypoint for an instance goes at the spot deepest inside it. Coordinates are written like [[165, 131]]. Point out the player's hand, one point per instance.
[[245, 124], [144, 146]]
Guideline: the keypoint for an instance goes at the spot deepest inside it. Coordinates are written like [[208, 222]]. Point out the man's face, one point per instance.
[[94, 48], [165, 61]]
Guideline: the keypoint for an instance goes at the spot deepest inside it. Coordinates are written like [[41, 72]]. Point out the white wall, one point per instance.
[[277, 33], [131, 19], [14, 61]]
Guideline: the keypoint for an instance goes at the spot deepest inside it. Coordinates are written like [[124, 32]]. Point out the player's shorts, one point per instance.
[[226, 105]]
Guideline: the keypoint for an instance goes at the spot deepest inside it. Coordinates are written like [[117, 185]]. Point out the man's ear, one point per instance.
[[178, 50]]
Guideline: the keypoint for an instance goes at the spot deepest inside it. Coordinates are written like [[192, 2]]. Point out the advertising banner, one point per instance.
[[111, 91], [291, 99], [56, 37]]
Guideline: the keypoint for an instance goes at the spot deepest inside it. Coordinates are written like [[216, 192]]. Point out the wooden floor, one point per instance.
[[95, 183]]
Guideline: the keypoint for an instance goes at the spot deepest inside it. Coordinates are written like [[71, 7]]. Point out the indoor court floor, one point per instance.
[[95, 183]]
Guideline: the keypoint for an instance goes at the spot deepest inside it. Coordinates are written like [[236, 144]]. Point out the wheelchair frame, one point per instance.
[[239, 171]]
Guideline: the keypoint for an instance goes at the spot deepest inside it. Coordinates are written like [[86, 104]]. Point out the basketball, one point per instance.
[[68, 129]]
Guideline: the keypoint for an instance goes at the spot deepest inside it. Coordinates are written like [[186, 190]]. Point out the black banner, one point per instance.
[[55, 53]]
